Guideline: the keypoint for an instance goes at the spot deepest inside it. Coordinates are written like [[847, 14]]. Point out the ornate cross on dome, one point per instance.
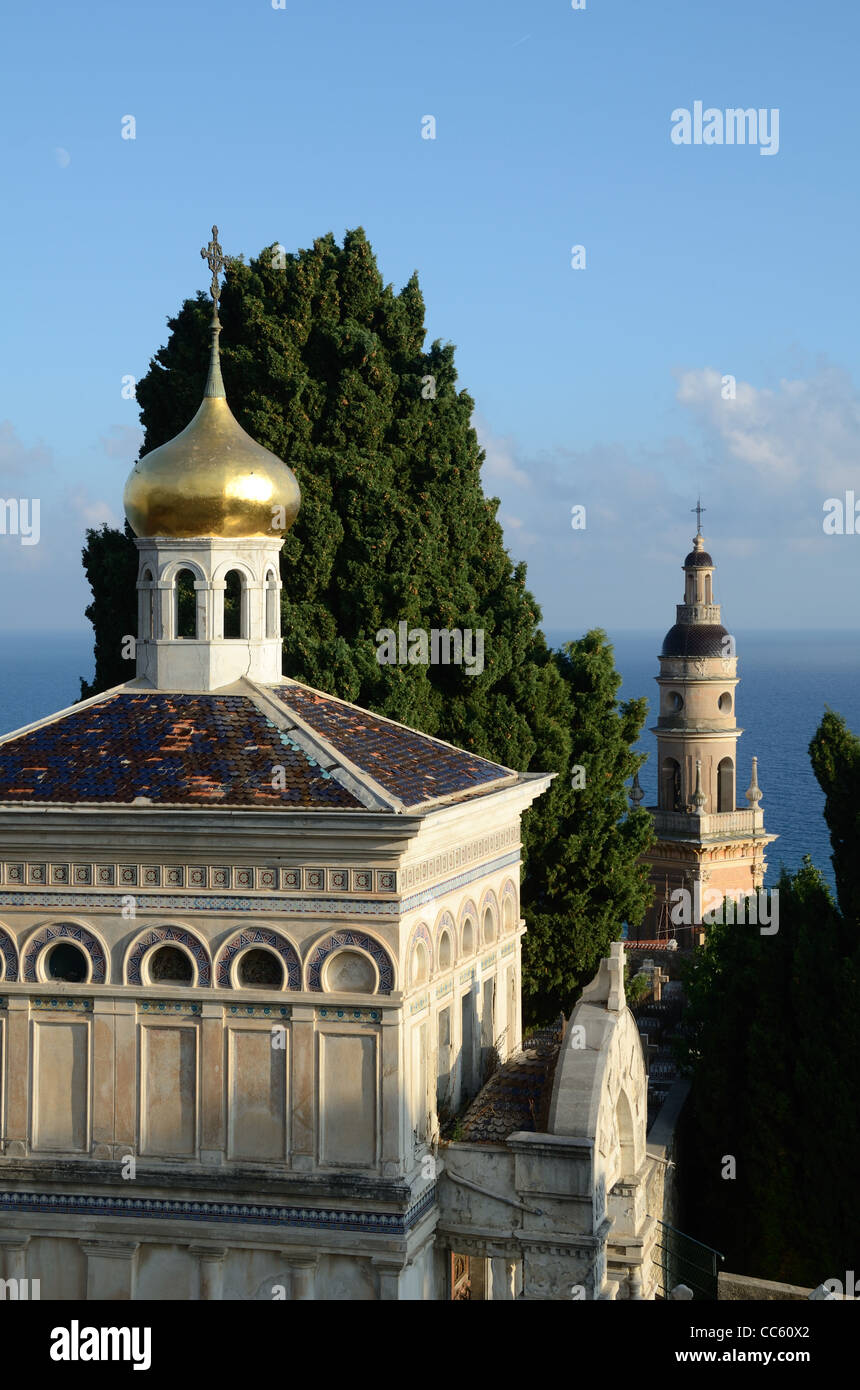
[[698, 509], [214, 256]]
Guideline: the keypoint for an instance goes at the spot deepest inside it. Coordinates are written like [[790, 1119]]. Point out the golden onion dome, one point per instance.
[[213, 479]]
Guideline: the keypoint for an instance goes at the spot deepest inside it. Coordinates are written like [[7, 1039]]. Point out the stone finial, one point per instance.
[[753, 792], [698, 795], [607, 987], [636, 792], [681, 1291]]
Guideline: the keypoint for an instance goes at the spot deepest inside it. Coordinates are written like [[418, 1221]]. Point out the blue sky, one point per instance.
[[599, 386]]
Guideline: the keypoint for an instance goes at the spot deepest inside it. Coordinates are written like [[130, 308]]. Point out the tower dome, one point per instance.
[[212, 479]]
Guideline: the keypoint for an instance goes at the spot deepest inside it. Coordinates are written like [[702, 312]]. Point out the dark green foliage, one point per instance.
[[835, 753], [775, 1032], [585, 873], [110, 564], [324, 364]]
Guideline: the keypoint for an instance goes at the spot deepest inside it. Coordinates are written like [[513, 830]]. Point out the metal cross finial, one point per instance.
[[698, 509], [216, 260]]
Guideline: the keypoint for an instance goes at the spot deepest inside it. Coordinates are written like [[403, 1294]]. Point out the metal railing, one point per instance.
[[683, 1260]]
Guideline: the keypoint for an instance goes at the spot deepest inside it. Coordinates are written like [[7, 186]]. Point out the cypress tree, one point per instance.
[[325, 365]]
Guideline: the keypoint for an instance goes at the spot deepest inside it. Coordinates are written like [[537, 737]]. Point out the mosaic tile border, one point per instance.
[[205, 902], [78, 1006], [310, 879], [9, 952], [168, 1006], [459, 856], [23, 874], [257, 1011], [234, 1213], [329, 944], [260, 936], [351, 1015], [157, 936], [72, 932], [421, 932]]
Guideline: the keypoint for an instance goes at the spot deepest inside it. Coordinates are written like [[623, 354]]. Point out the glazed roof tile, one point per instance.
[[172, 749], [516, 1097], [409, 765]]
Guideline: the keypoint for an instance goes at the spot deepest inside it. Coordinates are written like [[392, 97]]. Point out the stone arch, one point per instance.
[[234, 624], [445, 926], [509, 906], [489, 918], [419, 964], [359, 940], [468, 913], [80, 936], [185, 618], [147, 590], [8, 957], [626, 1135], [159, 936], [172, 567], [421, 932], [219, 574], [259, 936]]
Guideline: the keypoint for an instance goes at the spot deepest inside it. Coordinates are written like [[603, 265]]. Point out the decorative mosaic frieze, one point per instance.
[[75, 1006], [258, 1011], [234, 1213], [419, 1004], [509, 948], [206, 902], [450, 885], [459, 856], [489, 960], [223, 877], [350, 1015], [446, 987], [168, 1006]]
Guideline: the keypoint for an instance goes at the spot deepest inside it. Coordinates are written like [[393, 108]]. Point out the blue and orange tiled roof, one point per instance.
[[136, 746], [411, 766], [171, 749]]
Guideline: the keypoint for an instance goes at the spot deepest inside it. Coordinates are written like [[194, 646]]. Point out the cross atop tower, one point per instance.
[[214, 256], [698, 509]]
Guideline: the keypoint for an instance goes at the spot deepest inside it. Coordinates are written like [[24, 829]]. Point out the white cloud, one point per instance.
[[804, 432], [122, 442], [16, 459], [92, 511], [499, 464]]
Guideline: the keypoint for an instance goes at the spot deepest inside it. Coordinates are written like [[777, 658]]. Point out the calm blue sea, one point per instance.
[[787, 680]]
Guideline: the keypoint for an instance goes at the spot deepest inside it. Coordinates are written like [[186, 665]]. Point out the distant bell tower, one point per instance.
[[705, 843]]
